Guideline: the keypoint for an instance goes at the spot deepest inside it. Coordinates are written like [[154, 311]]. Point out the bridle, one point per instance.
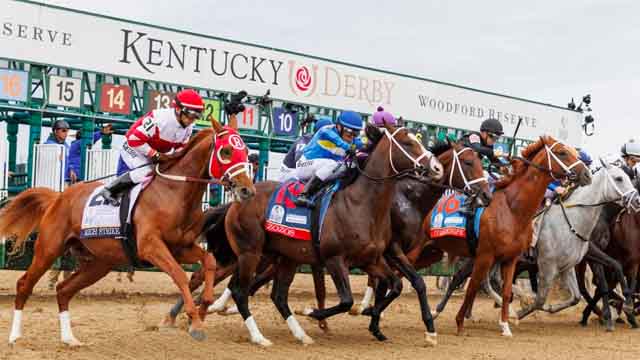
[[458, 165], [567, 170], [415, 161]]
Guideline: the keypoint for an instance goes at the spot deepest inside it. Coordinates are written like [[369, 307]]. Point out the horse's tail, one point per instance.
[[216, 237], [23, 214]]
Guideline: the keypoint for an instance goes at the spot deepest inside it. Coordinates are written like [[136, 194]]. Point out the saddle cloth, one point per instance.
[[284, 217], [103, 220], [448, 219]]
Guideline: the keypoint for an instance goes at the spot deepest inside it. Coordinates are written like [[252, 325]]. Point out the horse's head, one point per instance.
[[560, 160], [464, 169], [229, 159], [616, 185], [406, 152]]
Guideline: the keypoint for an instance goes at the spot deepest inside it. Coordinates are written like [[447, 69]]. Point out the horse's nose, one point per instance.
[[436, 168], [245, 192]]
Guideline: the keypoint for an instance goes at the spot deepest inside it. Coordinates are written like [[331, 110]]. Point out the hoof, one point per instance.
[[229, 311], [583, 323], [367, 312], [307, 340], [198, 335], [304, 312], [324, 326], [264, 342], [430, 339], [168, 322], [12, 341], [379, 336], [355, 310], [72, 342]]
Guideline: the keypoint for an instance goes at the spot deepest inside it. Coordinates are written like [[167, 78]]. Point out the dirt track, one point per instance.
[[118, 321]]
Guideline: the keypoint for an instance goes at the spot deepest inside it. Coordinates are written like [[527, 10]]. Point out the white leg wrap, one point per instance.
[[366, 300], [297, 330], [16, 327], [219, 304], [254, 333], [231, 310], [66, 335], [431, 339], [506, 331]]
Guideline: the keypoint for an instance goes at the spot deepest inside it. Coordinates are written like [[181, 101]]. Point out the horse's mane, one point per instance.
[[440, 148], [519, 166], [195, 140]]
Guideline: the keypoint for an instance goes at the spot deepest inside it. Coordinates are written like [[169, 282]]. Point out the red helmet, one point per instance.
[[189, 99]]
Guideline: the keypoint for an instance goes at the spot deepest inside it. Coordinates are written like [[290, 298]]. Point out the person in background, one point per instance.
[[254, 160], [58, 136], [630, 152], [295, 151], [74, 159]]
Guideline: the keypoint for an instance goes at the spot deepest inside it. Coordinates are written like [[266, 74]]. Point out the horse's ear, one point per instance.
[[233, 121], [372, 132], [215, 124]]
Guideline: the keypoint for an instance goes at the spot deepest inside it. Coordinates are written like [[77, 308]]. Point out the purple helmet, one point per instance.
[[381, 117]]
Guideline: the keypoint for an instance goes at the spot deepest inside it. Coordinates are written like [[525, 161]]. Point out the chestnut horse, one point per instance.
[[505, 225], [356, 231], [166, 222]]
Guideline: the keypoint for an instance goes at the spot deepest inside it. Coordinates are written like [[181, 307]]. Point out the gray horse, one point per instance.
[[565, 230]]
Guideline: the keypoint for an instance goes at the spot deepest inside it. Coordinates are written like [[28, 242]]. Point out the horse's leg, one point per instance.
[[169, 321], [400, 262], [152, 249], [546, 278], [599, 256], [321, 292], [283, 276], [581, 268], [340, 274], [458, 279], [388, 280], [569, 279], [632, 279], [48, 247], [221, 302], [366, 299], [481, 267], [239, 286], [88, 274], [603, 289], [508, 269], [196, 254], [264, 274]]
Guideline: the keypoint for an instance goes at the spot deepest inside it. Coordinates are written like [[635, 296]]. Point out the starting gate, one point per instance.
[[4, 169], [49, 165], [101, 164]]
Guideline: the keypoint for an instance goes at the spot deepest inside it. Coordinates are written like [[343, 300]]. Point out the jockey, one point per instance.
[[151, 137], [483, 142], [381, 117], [630, 152], [295, 151], [321, 158]]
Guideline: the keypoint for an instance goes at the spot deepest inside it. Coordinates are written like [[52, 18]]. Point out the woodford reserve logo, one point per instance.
[[324, 80]]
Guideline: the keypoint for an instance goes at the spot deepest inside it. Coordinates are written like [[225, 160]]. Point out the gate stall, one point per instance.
[[49, 166]]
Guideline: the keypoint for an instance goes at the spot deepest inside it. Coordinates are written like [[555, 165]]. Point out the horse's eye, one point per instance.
[[618, 178], [226, 152], [562, 153], [468, 162]]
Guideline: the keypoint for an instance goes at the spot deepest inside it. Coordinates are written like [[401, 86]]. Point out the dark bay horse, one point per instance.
[[356, 231], [412, 200], [505, 226], [166, 222]]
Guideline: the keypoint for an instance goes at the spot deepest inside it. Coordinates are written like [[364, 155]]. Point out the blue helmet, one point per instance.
[[322, 122], [351, 120], [584, 157]]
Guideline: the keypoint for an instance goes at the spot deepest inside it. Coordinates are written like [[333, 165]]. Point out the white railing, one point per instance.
[[49, 164], [100, 163], [4, 169]]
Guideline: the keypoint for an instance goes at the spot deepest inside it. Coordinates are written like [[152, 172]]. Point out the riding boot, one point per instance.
[[310, 188], [110, 192]]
